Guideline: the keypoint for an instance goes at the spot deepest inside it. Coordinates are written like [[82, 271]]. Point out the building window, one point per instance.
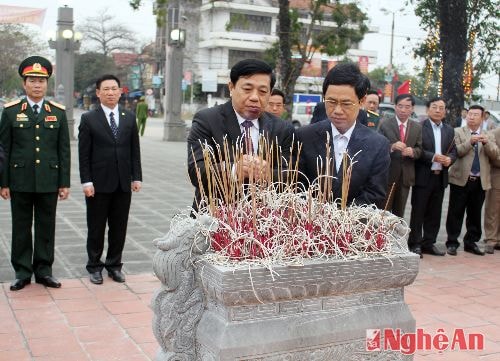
[[244, 23], [238, 55]]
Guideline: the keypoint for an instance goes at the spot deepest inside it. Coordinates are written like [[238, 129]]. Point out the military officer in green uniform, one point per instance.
[[371, 103], [34, 133]]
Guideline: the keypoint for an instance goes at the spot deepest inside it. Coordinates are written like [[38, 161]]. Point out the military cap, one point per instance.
[[35, 66]]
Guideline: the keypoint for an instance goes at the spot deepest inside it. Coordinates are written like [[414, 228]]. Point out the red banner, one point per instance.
[[21, 15]]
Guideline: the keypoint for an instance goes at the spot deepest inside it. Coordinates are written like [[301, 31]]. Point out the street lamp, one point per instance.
[[390, 67], [65, 41], [174, 128]]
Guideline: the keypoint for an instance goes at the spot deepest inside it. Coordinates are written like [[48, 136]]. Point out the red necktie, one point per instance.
[[402, 132]]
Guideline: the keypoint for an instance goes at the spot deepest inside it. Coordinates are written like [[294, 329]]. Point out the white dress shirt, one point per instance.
[[436, 129], [340, 142], [116, 114], [254, 131]]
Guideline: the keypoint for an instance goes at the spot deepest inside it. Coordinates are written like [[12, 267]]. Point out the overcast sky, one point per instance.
[[143, 23]]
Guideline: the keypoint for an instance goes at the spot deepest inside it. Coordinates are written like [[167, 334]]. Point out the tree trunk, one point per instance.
[[453, 43], [289, 68]]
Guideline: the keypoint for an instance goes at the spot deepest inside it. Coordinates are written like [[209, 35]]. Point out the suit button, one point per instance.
[[37, 161], [37, 149], [37, 137], [37, 126]]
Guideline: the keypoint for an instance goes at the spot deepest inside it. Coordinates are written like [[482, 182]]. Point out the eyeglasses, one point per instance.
[[344, 105], [437, 108]]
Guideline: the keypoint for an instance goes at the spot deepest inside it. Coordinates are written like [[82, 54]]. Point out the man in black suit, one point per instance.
[[250, 85], [2, 157], [344, 90], [110, 169], [431, 179]]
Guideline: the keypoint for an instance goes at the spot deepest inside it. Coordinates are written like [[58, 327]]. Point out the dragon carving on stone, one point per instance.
[[179, 304]]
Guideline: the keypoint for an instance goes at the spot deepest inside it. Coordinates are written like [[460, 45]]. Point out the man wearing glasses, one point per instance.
[[344, 90]]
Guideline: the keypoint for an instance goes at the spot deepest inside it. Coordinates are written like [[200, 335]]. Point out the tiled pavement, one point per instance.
[[82, 321]]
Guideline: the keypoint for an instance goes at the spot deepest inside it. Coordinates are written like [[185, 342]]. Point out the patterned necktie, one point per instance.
[[248, 145], [112, 124], [402, 132], [35, 109], [475, 163]]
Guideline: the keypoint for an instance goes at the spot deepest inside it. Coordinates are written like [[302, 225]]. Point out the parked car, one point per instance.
[[302, 113], [495, 116]]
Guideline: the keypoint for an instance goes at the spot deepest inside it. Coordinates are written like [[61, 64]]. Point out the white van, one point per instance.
[[302, 113]]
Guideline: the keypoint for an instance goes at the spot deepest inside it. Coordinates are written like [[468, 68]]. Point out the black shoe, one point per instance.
[[117, 276], [96, 278], [474, 249], [48, 281], [417, 250], [18, 283], [434, 251], [497, 246], [452, 251]]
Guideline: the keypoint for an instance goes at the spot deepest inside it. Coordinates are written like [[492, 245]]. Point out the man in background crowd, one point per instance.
[[492, 204], [276, 104], [405, 136], [469, 179], [371, 104], [431, 179]]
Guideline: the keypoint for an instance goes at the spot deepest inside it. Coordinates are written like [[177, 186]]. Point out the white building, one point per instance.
[[229, 31]]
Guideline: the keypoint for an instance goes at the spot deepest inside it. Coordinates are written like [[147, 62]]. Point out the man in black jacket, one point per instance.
[[251, 82], [110, 169], [2, 157], [431, 179]]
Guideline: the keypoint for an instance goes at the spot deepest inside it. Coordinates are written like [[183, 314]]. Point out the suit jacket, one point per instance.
[[424, 163], [104, 161], [495, 163], [460, 170], [37, 148], [399, 164], [213, 125], [369, 175], [2, 158]]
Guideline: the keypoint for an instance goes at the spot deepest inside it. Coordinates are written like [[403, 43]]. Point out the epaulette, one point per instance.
[[376, 114], [60, 106], [14, 102]]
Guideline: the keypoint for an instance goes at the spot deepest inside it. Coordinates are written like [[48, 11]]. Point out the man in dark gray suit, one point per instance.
[[431, 179], [250, 85], [405, 137], [110, 169], [344, 90]]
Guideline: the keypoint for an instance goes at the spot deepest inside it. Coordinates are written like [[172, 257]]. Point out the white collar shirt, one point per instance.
[[340, 142], [116, 114], [32, 103], [436, 130], [254, 131]]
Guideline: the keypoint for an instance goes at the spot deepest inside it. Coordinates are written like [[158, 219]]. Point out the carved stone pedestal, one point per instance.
[[319, 311]]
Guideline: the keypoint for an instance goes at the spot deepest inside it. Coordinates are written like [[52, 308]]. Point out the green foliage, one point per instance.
[[482, 20], [89, 67], [17, 43]]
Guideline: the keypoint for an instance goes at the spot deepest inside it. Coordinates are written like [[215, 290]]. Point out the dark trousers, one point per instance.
[[426, 206], [470, 199], [28, 257], [113, 209]]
